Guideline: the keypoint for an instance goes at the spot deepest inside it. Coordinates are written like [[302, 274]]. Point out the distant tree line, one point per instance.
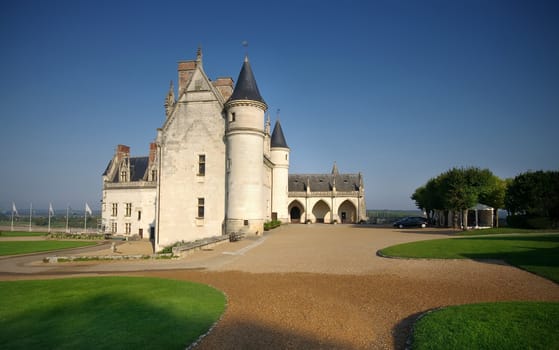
[[531, 198]]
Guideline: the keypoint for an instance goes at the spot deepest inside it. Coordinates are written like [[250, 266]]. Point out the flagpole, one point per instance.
[[85, 219], [30, 215], [67, 212], [50, 207], [13, 205]]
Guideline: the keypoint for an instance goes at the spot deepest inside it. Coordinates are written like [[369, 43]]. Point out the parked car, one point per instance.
[[411, 221]]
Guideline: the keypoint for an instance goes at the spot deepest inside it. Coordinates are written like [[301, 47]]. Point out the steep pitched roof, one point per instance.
[[323, 182], [278, 139], [246, 88]]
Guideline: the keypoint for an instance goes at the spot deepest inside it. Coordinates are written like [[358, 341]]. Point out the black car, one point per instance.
[[411, 221]]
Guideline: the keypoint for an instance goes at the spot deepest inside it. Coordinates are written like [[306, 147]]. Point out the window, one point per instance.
[[139, 215], [123, 177], [154, 175], [128, 228], [115, 209], [228, 165], [233, 117], [201, 165], [200, 208], [198, 84], [113, 227], [128, 209]]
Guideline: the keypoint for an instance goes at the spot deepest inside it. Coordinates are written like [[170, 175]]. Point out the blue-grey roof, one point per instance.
[[323, 182], [246, 88], [278, 139], [138, 168]]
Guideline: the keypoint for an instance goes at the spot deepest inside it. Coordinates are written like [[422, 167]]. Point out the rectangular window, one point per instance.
[[113, 227], [123, 177], [200, 208], [154, 175], [201, 165], [139, 215], [115, 209], [233, 117], [128, 210], [128, 227]]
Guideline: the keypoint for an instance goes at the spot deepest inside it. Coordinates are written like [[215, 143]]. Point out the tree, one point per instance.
[[534, 194], [458, 189]]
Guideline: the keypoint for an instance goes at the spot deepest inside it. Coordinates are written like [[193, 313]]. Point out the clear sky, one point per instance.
[[398, 90]]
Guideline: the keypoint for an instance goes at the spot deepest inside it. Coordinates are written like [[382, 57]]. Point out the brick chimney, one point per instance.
[[186, 70], [224, 86], [122, 151], [152, 152]]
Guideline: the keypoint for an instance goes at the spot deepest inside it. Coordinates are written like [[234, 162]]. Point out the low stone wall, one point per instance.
[[57, 259], [189, 248]]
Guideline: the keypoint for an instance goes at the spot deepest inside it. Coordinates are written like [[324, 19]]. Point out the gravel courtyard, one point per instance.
[[323, 287], [318, 286]]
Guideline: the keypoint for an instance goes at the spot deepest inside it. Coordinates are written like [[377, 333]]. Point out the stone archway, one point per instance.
[[320, 212], [347, 212], [296, 211]]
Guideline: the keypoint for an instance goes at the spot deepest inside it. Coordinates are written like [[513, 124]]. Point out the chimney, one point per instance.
[[186, 70], [224, 86], [152, 152], [122, 151]]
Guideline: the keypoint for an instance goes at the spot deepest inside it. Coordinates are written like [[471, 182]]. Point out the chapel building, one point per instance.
[[216, 168]]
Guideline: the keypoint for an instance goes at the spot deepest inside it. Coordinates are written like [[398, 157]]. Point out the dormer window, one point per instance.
[[123, 176]]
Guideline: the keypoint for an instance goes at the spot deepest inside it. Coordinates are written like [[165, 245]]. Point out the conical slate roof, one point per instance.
[[246, 88], [278, 140]]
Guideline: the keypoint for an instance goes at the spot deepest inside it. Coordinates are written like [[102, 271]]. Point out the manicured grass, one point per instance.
[[21, 234], [26, 247], [502, 230], [510, 325], [106, 313], [536, 253]]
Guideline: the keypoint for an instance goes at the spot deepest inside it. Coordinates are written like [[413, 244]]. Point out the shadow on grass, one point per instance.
[[103, 322]]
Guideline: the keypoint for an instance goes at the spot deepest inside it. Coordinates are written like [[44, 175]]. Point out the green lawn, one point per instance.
[[502, 230], [510, 325], [21, 234], [536, 253], [106, 313], [26, 247]]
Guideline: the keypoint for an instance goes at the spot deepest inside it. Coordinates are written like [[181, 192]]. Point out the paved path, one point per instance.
[[323, 287]]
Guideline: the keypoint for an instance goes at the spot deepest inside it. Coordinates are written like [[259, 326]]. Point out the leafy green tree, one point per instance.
[[534, 194], [458, 189]]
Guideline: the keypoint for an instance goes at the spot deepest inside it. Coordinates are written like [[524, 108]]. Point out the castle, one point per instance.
[[215, 169]]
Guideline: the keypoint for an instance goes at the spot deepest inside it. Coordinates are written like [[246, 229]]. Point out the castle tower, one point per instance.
[[280, 174], [245, 142]]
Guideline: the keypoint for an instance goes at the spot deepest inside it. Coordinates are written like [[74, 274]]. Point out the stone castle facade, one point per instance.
[[216, 168]]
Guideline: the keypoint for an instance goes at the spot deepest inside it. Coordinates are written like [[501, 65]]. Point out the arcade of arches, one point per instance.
[[321, 212]]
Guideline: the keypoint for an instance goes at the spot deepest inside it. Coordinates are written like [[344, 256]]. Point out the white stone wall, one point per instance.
[[142, 200], [280, 177], [245, 142], [195, 128]]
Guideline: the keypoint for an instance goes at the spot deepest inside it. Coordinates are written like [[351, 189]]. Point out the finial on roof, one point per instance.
[[278, 114], [245, 45], [335, 169], [199, 53]]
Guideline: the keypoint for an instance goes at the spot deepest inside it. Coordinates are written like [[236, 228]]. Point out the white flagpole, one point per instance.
[[13, 205], [67, 212], [50, 210], [30, 215], [85, 219]]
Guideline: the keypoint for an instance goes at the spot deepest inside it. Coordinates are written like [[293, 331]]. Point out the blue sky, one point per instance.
[[398, 90]]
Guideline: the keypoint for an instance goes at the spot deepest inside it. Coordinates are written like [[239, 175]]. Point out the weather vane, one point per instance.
[[245, 45]]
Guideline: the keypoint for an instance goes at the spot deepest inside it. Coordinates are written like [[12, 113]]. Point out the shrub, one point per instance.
[[271, 225], [529, 221]]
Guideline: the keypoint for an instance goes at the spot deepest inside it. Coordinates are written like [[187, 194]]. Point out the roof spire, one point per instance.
[[278, 139], [199, 54], [246, 88], [335, 171]]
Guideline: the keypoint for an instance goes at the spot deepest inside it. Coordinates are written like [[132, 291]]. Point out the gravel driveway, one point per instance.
[[323, 287]]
